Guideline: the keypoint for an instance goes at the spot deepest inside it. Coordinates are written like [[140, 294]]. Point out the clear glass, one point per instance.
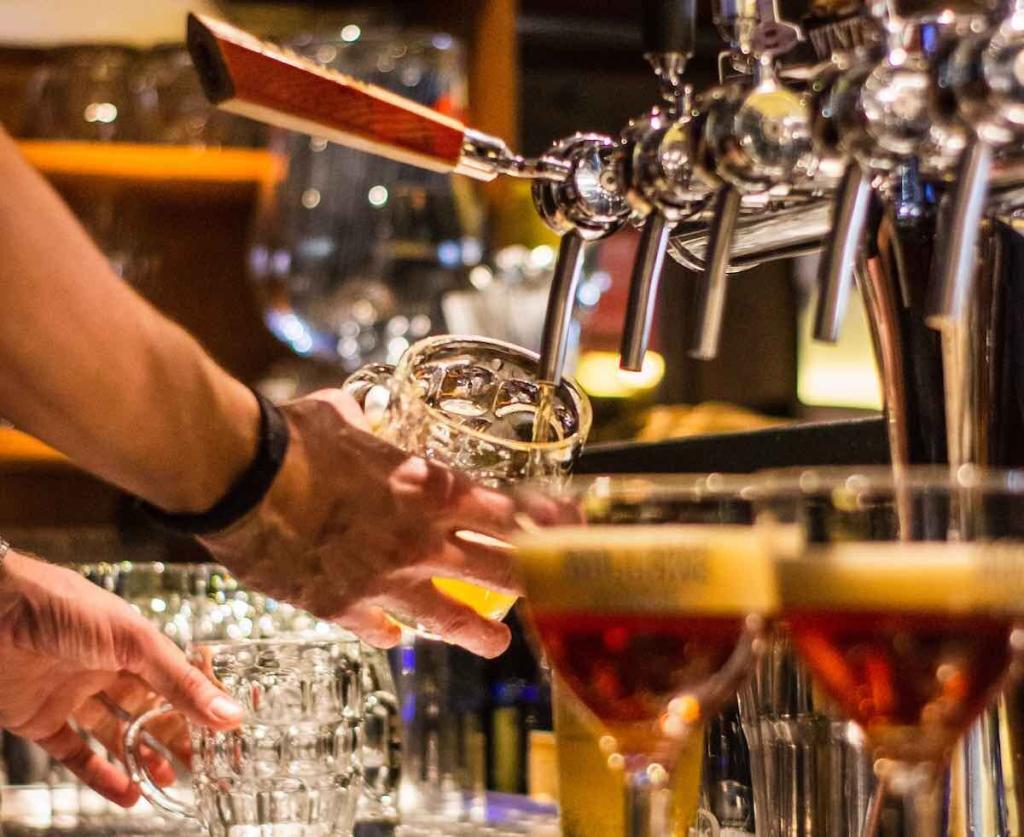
[[292, 767], [170, 106], [85, 94], [810, 771], [204, 602], [648, 596], [470, 403], [352, 253], [903, 594]]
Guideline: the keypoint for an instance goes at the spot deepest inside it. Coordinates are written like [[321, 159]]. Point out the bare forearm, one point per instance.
[[91, 368]]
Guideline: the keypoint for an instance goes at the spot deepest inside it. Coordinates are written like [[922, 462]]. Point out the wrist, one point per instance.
[[283, 499], [223, 450], [247, 490]]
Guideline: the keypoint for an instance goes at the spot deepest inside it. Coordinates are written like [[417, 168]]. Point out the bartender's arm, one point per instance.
[[351, 527]]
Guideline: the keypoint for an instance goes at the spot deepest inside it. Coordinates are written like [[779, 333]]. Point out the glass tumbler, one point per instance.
[[292, 767], [85, 94], [351, 252], [470, 403]]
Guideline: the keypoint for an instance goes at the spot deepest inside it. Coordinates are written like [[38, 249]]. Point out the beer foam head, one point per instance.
[[924, 576], [656, 569]]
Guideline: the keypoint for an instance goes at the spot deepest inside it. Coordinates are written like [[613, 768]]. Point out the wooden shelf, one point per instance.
[[228, 171]]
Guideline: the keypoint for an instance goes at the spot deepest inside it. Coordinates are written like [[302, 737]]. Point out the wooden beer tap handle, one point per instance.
[[244, 75]]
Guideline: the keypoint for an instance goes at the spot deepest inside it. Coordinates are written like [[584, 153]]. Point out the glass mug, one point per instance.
[[469, 402], [292, 767], [204, 602]]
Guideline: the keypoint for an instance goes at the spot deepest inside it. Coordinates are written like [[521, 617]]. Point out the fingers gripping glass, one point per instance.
[[472, 404]]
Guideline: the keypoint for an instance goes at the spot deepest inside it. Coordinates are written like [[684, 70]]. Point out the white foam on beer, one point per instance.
[[647, 569], [923, 576]]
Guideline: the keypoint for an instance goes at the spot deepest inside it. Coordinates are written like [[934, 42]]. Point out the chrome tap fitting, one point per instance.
[[879, 113], [752, 139], [986, 73], [654, 166], [839, 130], [583, 206]]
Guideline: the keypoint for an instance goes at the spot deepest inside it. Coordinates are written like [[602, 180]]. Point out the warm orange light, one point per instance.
[[599, 375]]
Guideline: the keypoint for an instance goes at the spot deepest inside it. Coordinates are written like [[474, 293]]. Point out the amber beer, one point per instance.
[[490, 604], [912, 640], [638, 621]]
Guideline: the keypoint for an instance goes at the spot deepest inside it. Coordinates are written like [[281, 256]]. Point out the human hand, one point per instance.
[[72, 652], [354, 529]]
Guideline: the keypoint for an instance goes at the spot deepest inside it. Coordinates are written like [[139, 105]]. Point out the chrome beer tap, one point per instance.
[[753, 137], [839, 130], [585, 206], [653, 166], [986, 76], [574, 184], [877, 110]]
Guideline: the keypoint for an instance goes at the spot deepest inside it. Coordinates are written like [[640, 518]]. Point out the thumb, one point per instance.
[[165, 669]]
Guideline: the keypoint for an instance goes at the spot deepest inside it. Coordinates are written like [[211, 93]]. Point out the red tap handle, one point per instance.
[[244, 75]]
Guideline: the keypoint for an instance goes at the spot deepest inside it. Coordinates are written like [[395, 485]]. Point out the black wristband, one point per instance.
[[246, 491]]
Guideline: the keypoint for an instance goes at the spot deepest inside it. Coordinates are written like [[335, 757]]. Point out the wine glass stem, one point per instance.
[[925, 805], [648, 806], [921, 787]]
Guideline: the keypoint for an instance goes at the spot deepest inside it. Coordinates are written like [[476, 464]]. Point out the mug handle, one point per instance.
[[373, 376], [706, 824], [381, 705], [134, 738]]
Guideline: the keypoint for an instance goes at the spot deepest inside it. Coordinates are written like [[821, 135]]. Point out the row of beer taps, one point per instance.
[[861, 108], [781, 156]]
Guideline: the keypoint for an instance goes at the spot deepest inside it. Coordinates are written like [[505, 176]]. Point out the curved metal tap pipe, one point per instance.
[[561, 301], [952, 284], [836, 268], [711, 287], [643, 291]]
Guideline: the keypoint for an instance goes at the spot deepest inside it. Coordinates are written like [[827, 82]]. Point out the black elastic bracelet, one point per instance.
[[246, 492]]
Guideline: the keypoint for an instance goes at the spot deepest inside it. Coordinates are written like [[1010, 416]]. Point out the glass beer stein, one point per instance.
[[292, 767], [470, 403]]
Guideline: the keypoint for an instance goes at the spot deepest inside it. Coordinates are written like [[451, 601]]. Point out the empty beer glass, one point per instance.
[[470, 403], [292, 767]]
